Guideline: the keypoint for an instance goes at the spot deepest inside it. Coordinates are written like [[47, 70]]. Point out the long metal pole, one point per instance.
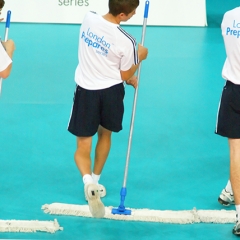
[[135, 98], [121, 209]]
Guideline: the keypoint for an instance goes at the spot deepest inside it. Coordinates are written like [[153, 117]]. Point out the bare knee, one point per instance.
[[104, 133], [84, 144]]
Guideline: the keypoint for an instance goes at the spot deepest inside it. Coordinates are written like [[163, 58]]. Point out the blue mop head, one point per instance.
[[121, 209]]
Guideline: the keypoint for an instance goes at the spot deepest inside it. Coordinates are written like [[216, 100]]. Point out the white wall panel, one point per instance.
[[161, 12]]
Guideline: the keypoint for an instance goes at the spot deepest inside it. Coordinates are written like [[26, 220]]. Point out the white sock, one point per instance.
[[87, 178], [95, 178], [238, 212], [229, 187]]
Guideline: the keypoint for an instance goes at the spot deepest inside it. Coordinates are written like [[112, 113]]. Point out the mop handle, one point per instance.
[[6, 38], [135, 97], [7, 25]]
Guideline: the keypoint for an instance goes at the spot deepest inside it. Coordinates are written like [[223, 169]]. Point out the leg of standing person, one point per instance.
[[227, 119], [82, 155], [83, 162], [234, 146], [101, 153]]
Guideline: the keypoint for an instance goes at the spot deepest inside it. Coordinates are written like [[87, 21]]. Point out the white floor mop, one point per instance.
[[144, 215], [29, 226], [6, 38], [147, 215]]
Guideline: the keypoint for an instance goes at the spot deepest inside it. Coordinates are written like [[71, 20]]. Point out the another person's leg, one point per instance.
[[226, 197], [234, 146], [227, 125]]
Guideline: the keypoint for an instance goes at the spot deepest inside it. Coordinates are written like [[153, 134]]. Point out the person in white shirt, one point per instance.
[[228, 119], [108, 57], [6, 52]]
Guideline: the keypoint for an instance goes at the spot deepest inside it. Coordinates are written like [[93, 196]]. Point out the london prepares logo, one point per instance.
[[234, 30], [76, 3], [95, 41]]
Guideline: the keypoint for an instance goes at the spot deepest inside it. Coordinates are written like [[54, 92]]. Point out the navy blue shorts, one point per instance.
[[228, 119], [92, 108]]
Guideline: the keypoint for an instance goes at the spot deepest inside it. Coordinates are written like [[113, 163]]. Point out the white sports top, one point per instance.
[[5, 60], [104, 49], [231, 35]]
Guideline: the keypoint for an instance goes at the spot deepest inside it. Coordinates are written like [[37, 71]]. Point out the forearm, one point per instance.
[[125, 75], [10, 52], [5, 73]]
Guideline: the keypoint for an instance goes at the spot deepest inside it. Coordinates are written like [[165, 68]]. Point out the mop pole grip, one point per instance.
[[146, 9], [7, 25], [8, 19]]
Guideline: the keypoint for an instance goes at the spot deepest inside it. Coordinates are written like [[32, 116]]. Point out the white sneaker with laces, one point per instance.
[[92, 194], [226, 198], [236, 229]]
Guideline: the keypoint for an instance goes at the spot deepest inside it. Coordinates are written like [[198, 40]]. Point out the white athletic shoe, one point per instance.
[[96, 207], [226, 198], [102, 191], [236, 229]]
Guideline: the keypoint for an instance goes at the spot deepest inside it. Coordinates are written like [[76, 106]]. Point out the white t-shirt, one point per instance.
[[231, 35], [5, 60], [104, 49]]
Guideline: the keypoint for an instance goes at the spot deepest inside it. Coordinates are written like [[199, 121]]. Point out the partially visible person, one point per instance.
[[6, 53], [108, 57], [228, 119], [2, 3]]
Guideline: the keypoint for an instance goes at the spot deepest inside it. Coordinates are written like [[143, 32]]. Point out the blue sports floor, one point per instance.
[[177, 162]]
